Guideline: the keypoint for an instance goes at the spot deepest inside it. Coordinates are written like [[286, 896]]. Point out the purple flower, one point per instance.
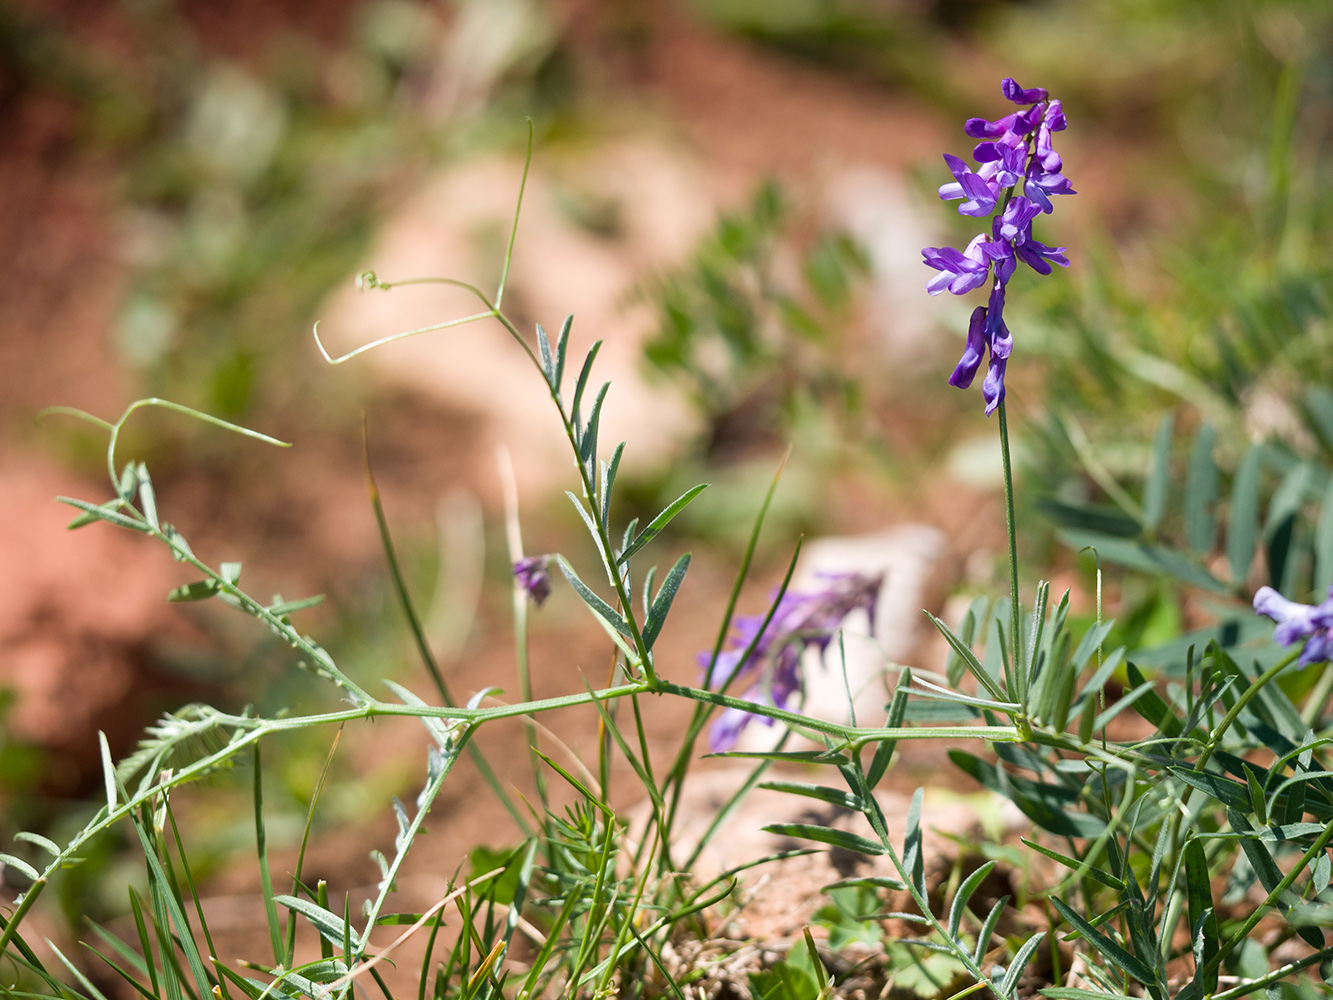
[[532, 576], [1312, 624], [1039, 256], [1015, 224], [980, 195], [772, 670], [1016, 155], [959, 272], [973, 353], [1010, 88]]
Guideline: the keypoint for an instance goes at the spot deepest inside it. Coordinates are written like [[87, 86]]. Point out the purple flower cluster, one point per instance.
[[772, 669], [533, 576], [1297, 622], [1015, 153]]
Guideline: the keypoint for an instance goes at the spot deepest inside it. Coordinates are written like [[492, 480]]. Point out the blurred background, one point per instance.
[[733, 195]]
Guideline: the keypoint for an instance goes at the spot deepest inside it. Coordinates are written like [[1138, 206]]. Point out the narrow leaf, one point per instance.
[[879, 763], [200, 590], [1155, 489], [1203, 918], [103, 513], [1020, 963], [1081, 867], [914, 861], [544, 352], [1132, 966], [1201, 491], [561, 350], [826, 835], [964, 893], [50, 846], [662, 520], [988, 929], [23, 866], [582, 383], [662, 603], [833, 796], [602, 609], [1243, 518], [147, 496]]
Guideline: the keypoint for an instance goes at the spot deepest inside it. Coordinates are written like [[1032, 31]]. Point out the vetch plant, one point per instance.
[[1189, 862]]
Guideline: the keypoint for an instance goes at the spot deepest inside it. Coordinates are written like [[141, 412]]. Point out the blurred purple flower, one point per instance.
[[772, 670], [532, 575], [1312, 624]]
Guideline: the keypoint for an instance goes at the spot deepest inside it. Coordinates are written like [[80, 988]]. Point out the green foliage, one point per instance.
[[747, 343]]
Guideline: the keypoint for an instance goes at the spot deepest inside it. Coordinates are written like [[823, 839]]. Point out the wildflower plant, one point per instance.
[[1162, 856]]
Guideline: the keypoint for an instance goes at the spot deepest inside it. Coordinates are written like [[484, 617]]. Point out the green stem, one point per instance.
[[1017, 689], [1245, 698], [1262, 909]]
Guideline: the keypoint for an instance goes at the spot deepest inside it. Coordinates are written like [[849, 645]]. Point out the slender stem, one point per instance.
[[1017, 689], [590, 491], [1245, 698]]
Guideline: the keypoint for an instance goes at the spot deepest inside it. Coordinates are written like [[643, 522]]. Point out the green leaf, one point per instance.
[[1155, 488], [988, 929], [1243, 518], [1020, 963], [1079, 993], [284, 608], [582, 382], [914, 860], [969, 658], [661, 521], [789, 756], [868, 881], [1270, 875], [662, 603], [1128, 964], [603, 610], [1201, 492], [964, 893], [1256, 789], [331, 927], [544, 353], [833, 796], [609, 481], [200, 590], [826, 835], [21, 865], [1094, 517], [147, 497], [103, 513], [879, 763], [1150, 706], [954, 667], [1203, 917], [561, 350], [1228, 792], [1323, 543], [1081, 867], [588, 443], [1043, 804], [50, 846]]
